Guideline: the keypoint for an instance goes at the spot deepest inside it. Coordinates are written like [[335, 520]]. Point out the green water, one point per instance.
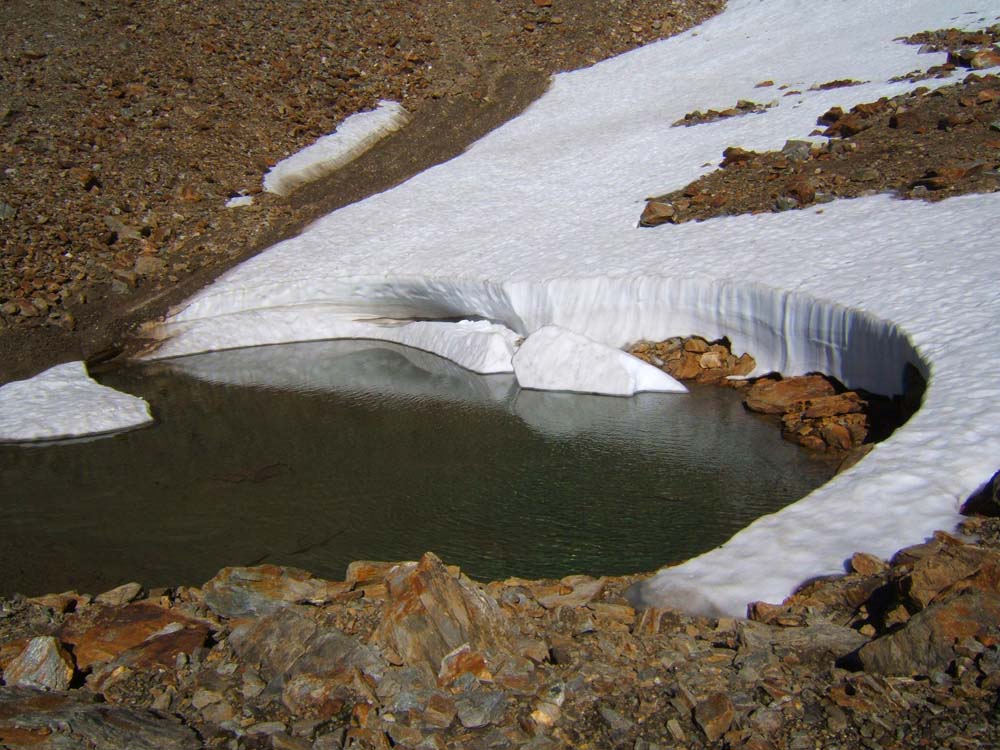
[[315, 455]]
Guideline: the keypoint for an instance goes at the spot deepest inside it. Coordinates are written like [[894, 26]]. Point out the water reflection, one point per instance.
[[318, 454]]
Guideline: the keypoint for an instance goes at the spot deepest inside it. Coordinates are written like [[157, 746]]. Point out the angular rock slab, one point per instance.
[[260, 590], [430, 613], [64, 402], [69, 721], [43, 663], [106, 633], [557, 359]]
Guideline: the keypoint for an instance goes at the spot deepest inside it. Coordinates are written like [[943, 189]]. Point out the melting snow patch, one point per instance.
[[64, 402], [239, 201], [356, 134], [556, 359]]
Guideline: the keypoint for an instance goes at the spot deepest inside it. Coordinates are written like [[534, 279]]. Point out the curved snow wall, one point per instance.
[[787, 332]]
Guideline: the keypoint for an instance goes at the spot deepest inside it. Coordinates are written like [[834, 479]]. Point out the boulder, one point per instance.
[[43, 663], [103, 633], [430, 613], [926, 644], [30, 718], [260, 590], [783, 396]]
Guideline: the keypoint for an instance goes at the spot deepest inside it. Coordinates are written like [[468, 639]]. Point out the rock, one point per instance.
[[43, 663], [440, 711], [119, 596], [865, 564], [801, 189], [149, 265], [361, 572], [935, 573], [985, 501], [656, 213], [787, 395], [101, 633], [288, 643], [797, 150], [987, 58], [236, 592], [714, 715], [926, 644], [430, 613], [617, 722], [463, 660], [572, 591], [29, 718], [480, 707], [829, 406]]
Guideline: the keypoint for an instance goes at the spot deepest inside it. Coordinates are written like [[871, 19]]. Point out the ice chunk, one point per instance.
[[64, 402], [557, 359]]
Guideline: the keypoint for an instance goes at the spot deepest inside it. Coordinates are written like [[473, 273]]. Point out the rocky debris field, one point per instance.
[[815, 411], [925, 144], [125, 127], [894, 654]]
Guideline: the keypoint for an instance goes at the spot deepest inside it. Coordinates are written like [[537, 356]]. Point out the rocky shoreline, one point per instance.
[[893, 654]]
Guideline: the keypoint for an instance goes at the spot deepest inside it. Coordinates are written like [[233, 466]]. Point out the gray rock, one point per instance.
[[42, 664], [68, 721], [480, 707], [797, 150]]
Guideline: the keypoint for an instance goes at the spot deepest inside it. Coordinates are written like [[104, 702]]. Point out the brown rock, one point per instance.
[[656, 213], [784, 396], [801, 189], [463, 660], [714, 715], [865, 564], [430, 613], [927, 642], [935, 573], [986, 58], [43, 663], [361, 572], [696, 345], [829, 406], [103, 633]]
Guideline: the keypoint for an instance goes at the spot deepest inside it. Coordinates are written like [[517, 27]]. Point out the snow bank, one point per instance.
[[65, 402], [554, 359], [535, 225], [356, 134]]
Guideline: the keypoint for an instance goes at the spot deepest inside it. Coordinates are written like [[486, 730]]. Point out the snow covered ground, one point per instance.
[[65, 402], [535, 225]]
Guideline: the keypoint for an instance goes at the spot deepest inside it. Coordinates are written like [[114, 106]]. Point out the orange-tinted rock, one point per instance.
[[801, 189], [787, 395], [107, 632], [866, 564], [430, 613], [828, 406], [656, 213], [927, 642], [463, 660], [714, 715], [935, 573]]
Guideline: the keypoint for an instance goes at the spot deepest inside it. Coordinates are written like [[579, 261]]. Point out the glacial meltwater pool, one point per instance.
[[318, 454]]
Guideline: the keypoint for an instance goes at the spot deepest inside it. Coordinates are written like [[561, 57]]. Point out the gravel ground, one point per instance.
[[125, 126]]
